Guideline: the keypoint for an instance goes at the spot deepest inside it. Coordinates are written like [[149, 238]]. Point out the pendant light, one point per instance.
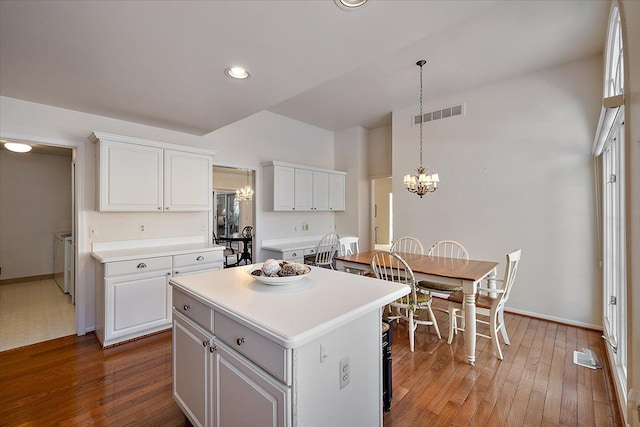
[[421, 183], [245, 194]]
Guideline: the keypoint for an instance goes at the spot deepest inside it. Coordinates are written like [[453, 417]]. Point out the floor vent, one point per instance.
[[456, 110], [586, 358]]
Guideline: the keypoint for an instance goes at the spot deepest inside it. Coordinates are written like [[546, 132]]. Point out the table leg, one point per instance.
[[470, 322]]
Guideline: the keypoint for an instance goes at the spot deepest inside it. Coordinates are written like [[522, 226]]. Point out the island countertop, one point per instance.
[[296, 313]]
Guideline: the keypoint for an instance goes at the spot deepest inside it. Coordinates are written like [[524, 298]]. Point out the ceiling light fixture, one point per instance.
[[17, 147], [237, 72], [421, 183], [350, 4], [246, 193]]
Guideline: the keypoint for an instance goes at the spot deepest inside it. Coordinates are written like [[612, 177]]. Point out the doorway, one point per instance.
[[37, 249], [234, 209], [381, 213]]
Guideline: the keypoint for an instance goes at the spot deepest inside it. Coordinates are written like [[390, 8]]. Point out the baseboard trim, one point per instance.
[[554, 319], [26, 279]]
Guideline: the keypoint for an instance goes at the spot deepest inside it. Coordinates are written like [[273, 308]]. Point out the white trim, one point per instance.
[[554, 319], [297, 166], [97, 136]]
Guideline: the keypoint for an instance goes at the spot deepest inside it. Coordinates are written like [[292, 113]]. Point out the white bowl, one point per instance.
[[277, 281]]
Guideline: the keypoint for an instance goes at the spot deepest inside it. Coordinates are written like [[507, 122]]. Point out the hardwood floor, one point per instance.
[[71, 381]]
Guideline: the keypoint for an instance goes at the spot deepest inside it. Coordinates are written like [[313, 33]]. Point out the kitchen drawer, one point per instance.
[[260, 350], [310, 251], [193, 309], [201, 268], [196, 258], [136, 266], [296, 255]]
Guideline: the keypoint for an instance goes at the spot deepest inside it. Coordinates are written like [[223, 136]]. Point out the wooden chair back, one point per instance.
[[326, 249]]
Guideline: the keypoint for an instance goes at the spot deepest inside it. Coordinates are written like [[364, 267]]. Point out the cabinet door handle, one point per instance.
[[205, 343], [294, 254], [186, 307], [159, 208], [169, 273], [177, 273], [167, 208], [240, 341], [213, 348], [200, 258], [142, 265]]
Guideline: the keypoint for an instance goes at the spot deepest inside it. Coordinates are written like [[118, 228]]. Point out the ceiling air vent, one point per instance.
[[456, 110]]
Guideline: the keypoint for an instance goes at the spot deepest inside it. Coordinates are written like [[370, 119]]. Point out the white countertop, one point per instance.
[[126, 254], [294, 314], [291, 246]]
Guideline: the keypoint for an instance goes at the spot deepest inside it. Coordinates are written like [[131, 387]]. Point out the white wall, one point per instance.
[[516, 172], [379, 152], [351, 157], [248, 143], [35, 203]]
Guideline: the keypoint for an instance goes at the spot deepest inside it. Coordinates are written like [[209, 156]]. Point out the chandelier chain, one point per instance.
[[421, 114]]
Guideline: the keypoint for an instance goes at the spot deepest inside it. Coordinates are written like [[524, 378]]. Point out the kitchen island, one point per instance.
[[303, 354]]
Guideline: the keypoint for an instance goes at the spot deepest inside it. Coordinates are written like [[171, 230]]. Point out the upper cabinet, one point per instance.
[[138, 175], [290, 187]]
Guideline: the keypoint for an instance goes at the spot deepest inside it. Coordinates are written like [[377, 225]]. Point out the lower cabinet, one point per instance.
[[216, 386], [133, 297]]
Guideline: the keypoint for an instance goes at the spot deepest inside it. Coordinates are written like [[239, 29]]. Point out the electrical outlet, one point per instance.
[[345, 372], [141, 228], [295, 228], [92, 231]]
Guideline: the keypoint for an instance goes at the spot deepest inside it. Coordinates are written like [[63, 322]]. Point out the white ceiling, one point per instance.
[[161, 62]]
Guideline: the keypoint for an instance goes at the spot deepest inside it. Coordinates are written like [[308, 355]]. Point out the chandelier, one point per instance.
[[421, 183], [246, 193]]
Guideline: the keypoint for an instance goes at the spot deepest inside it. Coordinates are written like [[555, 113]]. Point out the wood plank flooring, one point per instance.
[[72, 381]]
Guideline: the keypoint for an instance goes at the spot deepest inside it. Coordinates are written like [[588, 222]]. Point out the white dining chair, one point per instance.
[[348, 246], [326, 250], [409, 245], [391, 266], [487, 306], [445, 249]]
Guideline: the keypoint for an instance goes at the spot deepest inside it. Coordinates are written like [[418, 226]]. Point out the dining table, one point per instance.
[[239, 237], [452, 271]]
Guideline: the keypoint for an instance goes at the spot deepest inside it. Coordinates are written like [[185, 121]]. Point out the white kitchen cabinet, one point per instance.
[[336, 192], [303, 194], [187, 181], [132, 299], [130, 177], [213, 384], [137, 175], [245, 394], [192, 385], [291, 187], [320, 191]]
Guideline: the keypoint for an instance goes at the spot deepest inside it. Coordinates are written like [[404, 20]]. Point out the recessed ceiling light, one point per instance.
[[237, 72], [17, 147], [350, 4]]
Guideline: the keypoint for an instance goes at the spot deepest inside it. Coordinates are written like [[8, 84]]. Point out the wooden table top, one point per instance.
[[437, 266]]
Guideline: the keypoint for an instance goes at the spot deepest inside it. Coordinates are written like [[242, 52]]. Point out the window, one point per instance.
[[612, 183]]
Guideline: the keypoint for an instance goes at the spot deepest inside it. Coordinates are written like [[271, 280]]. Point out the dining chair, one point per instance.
[[409, 245], [487, 305], [445, 249], [325, 251], [228, 251], [247, 233], [391, 266], [348, 245]]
